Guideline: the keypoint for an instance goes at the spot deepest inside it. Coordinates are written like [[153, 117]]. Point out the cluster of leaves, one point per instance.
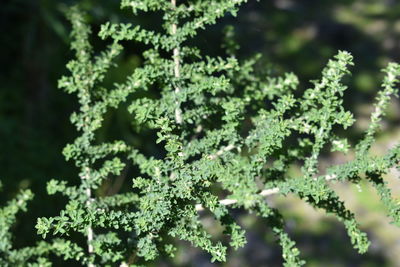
[[223, 127], [37, 255], [8, 215]]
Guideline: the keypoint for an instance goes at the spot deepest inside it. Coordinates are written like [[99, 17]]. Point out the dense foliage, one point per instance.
[[229, 135]]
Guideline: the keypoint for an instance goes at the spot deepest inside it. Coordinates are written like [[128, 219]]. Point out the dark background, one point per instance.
[[298, 36]]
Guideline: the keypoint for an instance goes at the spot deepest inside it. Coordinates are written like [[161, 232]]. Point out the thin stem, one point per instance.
[[89, 242], [264, 193], [222, 151], [89, 231], [177, 71]]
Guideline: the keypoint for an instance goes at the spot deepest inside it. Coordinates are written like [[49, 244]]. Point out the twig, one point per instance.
[[89, 229], [222, 151], [264, 193], [177, 72]]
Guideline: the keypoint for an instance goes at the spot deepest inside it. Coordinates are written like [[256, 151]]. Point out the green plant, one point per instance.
[[222, 125], [36, 255], [7, 219]]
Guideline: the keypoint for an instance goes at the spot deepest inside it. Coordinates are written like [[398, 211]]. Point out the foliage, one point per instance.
[[35, 255], [226, 131]]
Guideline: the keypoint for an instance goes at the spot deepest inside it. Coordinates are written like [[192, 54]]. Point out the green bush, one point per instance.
[[228, 133]]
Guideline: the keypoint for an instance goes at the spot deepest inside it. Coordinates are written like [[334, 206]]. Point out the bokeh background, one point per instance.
[[292, 35]]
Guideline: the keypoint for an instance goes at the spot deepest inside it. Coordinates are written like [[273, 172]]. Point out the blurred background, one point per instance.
[[292, 35]]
